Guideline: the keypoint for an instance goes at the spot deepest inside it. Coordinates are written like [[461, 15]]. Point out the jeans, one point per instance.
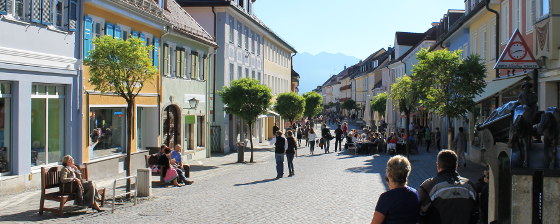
[[290, 158], [279, 164], [181, 177], [311, 146], [338, 142], [327, 145]]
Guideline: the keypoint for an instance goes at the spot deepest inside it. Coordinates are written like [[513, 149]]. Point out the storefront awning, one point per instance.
[[494, 87], [268, 114]]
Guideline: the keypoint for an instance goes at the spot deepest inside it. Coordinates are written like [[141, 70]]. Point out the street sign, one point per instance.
[[516, 55]]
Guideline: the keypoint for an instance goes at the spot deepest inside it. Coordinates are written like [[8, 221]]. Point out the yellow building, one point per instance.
[[104, 120]]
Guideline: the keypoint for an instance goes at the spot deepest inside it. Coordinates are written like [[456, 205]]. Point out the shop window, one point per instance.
[[47, 124], [200, 131], [5, 128], [107, 131]]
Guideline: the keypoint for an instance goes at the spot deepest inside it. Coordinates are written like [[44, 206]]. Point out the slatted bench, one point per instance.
[[50, 178]]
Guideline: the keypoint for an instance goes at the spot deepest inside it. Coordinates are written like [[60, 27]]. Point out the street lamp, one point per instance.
[[193, 103]]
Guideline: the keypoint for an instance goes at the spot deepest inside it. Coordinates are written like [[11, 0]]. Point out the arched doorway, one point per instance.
[[171, 126], [504, 185]]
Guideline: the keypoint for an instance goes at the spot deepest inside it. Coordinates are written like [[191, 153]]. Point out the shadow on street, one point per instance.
[[256, 182]]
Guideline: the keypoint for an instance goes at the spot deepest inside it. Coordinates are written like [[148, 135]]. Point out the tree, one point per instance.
[[379, 103], [313, 104], [290, 105], [448, 83], [404, 93], [349, 105], [247, 99], [121, 67]]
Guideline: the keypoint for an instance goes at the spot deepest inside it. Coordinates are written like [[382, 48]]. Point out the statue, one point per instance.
[[549, 127], [524, 114]]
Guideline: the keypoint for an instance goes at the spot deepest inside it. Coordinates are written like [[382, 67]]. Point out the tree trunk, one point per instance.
[[129, 122], [449, 134], [251, 140], [407, 131]]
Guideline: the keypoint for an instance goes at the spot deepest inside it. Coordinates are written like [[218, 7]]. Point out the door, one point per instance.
[[171, 127]]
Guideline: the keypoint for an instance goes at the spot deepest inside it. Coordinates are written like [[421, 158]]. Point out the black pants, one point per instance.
[[438, 144], [311, 146], [338, 142], [428, 142]]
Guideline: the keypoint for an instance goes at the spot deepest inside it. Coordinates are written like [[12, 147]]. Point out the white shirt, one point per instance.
[[273, 141]]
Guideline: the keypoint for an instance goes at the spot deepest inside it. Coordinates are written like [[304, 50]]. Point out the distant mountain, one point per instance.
[[316, 69]]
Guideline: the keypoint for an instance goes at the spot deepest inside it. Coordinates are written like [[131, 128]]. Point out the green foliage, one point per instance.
[[447, 82], [404, 93], [290, 105], [120, 66], [349, 104], [246, 98], [379, 103], [313, 104]]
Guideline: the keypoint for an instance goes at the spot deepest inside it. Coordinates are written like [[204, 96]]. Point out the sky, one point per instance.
[[351, 27]]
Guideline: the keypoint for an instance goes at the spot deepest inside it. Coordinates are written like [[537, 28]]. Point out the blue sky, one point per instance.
[[352, 27]]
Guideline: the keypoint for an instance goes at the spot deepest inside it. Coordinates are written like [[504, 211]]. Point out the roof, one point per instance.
[[183, 23], [408, 39], [257, 21], [380, 57], [458, 23], [430, 34], [149, 7]]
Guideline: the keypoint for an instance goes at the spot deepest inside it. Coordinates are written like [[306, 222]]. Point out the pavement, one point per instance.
[[327, 188]]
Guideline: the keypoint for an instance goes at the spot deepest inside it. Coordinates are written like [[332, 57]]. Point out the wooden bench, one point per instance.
[[50, 178], [149, 166]]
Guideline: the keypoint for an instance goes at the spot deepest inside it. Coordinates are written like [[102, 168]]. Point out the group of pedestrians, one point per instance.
[[445, 198], [284, 147]]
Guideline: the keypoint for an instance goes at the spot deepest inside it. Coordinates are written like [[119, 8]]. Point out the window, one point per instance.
[[125, 34], [200, 131], [246, 38], [195, 63], [19, 9], [107, 131], [205, 67], [253, 42], [231, 29], [97, 30], [544, 8], [47, 124], [253, 75], [258, 44], [59, 8], [504, 26], [72, 15], [247, 73], [239, 72], [259, 77], [483, 42], [492, 47], [231, 70], [5, 128], [166, 60], [239, 33], [180, 62]]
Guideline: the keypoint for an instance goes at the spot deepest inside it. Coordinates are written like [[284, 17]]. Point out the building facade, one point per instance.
[[40, 89]]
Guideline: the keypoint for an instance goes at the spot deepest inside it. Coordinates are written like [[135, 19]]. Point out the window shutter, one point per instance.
[[155, 57], [118, 33], [35, 11], [3, 7], [109, 29], [88, 35], [46, 14], [134, 33], [72, 15], [143, 37]]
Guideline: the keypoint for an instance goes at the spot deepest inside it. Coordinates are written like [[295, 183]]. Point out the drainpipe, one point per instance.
[[497, 34], [214, 75]]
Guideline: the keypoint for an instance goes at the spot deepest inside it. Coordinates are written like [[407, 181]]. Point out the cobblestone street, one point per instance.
[[327, 188]]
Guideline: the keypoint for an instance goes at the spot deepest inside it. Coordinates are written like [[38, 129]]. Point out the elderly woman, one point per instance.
[[401, 204], [70, 177]]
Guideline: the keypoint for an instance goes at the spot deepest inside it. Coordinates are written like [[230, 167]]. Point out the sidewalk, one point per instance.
[[24, 207]]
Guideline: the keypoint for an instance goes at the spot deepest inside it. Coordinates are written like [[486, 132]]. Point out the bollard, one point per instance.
[[144, 182]]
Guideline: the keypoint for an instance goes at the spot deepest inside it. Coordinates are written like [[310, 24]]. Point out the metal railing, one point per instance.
[[126, 193]]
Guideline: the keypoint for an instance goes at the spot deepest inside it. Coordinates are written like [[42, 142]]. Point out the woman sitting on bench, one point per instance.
[[86, 191]]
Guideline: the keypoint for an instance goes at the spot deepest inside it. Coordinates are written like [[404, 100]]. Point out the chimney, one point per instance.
[[345, 67], [435, 24]]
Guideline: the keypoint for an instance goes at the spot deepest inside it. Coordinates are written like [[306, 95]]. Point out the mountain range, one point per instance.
[[314, 70]]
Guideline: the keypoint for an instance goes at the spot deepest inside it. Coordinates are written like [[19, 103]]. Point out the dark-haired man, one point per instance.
[[280, 147], [448, 197]]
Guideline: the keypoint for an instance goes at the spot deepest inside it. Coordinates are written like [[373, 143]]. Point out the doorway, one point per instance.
[[171, 127]]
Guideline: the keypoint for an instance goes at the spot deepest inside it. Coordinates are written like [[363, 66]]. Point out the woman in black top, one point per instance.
[[290, 152], [299, 136]]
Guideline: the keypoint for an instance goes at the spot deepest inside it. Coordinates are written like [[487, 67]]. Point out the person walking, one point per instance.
[[460, 145], [401, 204], [299, 136], [290, 152], [312, 136], [275, 128], [428, 138], [338, 138], [438, 139], [326, 135], [448, 197], [280, 146]]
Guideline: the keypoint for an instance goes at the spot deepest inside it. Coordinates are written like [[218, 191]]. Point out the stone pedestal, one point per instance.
[[144, 182], [521, 199], [551, 202]]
